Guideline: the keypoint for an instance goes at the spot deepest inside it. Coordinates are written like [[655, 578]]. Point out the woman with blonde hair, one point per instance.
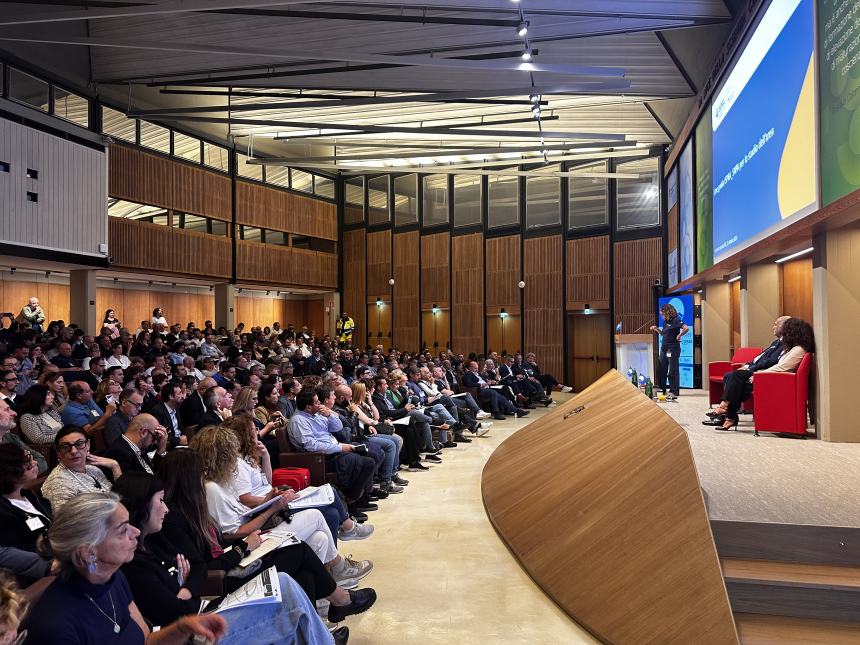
[[13, 606], [107, 391], [219, 448]]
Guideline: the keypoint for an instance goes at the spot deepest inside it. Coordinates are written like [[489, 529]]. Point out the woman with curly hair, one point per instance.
[[13, 606], [670, 350]]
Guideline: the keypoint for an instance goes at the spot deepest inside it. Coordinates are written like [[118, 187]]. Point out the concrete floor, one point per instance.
[[441, 571]]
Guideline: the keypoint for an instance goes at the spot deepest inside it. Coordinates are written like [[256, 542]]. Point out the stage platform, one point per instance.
[[768, 478]]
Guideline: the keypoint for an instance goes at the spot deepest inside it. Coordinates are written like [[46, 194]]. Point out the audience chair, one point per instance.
[[718, 369], [782, 400], [288, 457]]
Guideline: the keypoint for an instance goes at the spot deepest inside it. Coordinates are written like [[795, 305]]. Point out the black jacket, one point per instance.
[[127, 459], [192, 409], [381, 404], [209, 418], [769, 357], [162, 415], [14, 531]]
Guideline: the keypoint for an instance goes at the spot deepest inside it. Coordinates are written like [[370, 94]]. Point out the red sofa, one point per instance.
[[717, 369], [782, 399]]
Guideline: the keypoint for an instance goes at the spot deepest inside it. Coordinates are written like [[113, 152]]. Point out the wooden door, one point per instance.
[[589, 348]]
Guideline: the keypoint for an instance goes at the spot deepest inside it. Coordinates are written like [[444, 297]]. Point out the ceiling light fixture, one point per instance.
[[794, 255], [527, 54], [523, 28], [534, 98], [735, 279]]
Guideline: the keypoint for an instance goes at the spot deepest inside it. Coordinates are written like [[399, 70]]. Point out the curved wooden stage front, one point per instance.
[[600, 502]]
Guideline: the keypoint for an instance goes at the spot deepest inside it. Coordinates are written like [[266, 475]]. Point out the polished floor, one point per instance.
[[770, 478], [441, 571]]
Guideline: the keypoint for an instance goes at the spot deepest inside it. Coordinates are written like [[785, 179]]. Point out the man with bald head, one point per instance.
[[131, 450]]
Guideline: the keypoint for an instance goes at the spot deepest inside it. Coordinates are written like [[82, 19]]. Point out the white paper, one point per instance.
[[263, 589], [262, 507], [271, 541], [313, 497], [404, 421]]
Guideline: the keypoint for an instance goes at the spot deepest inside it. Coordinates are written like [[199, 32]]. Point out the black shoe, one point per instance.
[[461, 439], [714, 421], [449, 444], [432, 451], [734, 426], [546, 402], [358, 516], [529, 405], [432, 458], [380, 494], [399, 481], [367, 506], [522, 413], [340, 635], [499, 416], [360, 601], [416, 467]]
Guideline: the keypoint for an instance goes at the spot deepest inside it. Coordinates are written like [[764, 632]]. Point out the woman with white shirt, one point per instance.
[[158, 318], [78, 470], [40, 422], [118, 357], [219, 448]]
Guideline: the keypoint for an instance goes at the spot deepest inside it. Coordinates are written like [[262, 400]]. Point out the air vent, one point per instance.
[[32, 174], [32, 197]]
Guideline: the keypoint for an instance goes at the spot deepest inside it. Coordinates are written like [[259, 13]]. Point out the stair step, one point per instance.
[[758, 629], [795, 574], [801, 590]]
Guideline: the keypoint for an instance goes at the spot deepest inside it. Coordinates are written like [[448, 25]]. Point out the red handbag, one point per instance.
[[295, 478]]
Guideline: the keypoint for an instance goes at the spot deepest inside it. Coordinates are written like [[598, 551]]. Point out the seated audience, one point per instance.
[[79, 471], [56, 383], [130, 404], [7, 424], [131, 449], [81, 410], [499, 405], [166, 412], [39, 422]]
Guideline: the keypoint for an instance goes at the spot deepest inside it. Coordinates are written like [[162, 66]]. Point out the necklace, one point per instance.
[[112, 608]]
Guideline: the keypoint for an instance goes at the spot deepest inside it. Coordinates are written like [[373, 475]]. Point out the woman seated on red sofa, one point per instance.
[[797, 341]]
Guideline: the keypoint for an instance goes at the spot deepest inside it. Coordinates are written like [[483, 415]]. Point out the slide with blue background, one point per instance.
[[685, 308]]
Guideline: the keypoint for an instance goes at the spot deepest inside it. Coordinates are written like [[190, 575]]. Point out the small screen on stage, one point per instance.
[[686, 312]]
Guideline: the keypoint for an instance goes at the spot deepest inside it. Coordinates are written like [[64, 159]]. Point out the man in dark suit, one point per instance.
[[192, 407], [499, 405], [219, 405], [131, 450], [520, 384], [166, 412], [130, 403]]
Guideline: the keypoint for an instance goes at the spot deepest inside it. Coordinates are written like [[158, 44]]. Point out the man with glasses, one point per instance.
[[130, 403], [94, 374], [8, 386], [78, 470], [82, 411], [131, 450], [7, 424]]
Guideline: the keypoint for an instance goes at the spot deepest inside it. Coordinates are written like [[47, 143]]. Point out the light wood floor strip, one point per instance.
[[792, 573]]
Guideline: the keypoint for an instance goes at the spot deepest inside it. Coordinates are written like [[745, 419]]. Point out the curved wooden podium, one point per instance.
[[600, 502]]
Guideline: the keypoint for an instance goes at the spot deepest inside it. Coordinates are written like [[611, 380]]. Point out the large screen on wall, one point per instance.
[[839, 66], [763, 123], [686, 313], [685, 199], [672, 218]]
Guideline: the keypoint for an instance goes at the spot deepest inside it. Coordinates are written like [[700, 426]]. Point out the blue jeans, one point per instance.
[[391, 454], [334, 515], [293, 621]]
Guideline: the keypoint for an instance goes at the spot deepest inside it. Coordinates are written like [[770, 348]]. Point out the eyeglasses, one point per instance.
[[28, 457], [134, 405], [78, 445]]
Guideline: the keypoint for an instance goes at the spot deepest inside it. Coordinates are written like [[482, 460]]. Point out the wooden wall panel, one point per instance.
[[282, 210], [134, 305], [735, 300], [278, 265], [544, 317], [638, 263], [436, 330], [405, 326], [797, 288], [503, 274], [435, 272], [315, 315], [467, 308], [588, 273], [504, 334], [379, 266], [355, 282], [53, 298], [140, 176], [162, 249]]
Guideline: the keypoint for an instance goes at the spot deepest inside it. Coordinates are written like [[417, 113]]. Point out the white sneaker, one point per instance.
[[351, 570], [483, 415], [484, 428], [566, 389], [357, 532]]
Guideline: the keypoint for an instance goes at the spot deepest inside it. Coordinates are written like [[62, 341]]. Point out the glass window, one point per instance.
[[543, 200], [250, 233], [435, 200], [588, 197], [301, 180], [135, 211], [301, 242], [215, 156], [377, 200], [217, 227], [638, 200], [185, 147], [71, 107], [354, 201], [245, 169], [278, 175], [193, 223], [28, 89], [314, 244], [405, 200], [117, 125], [467, 200], [155, 137], [277, 238], [323, 187], [504, 201]]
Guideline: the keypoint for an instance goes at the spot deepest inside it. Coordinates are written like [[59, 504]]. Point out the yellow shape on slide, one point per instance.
[[796, 183]]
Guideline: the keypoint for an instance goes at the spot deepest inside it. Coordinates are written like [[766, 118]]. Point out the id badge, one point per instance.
[[668, 354], [34, 524]]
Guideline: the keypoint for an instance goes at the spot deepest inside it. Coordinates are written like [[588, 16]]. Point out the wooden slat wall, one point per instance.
[[638, 263], [588, 273], [435, 271], [148, 178], [134, 305], [503, 274], [797, 288], [379, 266], [467, 307], [265, 263], [53, 298], [544, 331], [355, 281], [152, 247], [281, 210], [406, 285]]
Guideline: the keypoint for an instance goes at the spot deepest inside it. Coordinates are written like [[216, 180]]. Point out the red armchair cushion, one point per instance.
[[781, 399]]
